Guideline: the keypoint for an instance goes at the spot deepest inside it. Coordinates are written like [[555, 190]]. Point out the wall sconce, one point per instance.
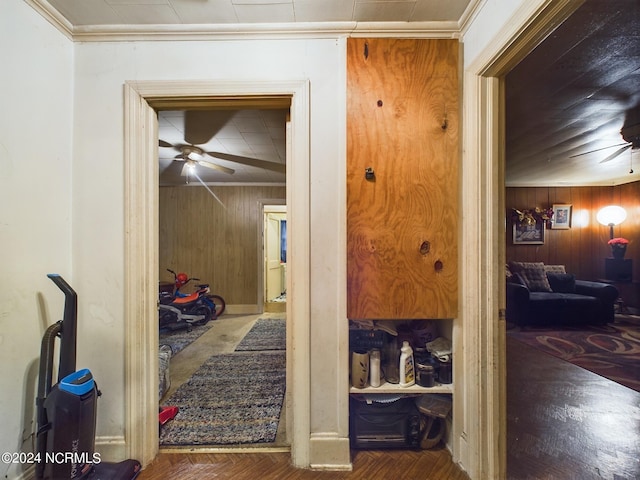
[[611, 216]]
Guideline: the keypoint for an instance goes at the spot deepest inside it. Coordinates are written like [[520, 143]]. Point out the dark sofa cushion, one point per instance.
[[562, 282], [562, 308], [534, 275]]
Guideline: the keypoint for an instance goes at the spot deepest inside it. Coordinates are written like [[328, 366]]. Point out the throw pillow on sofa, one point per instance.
[[562, 282], [533, 274], [554, 269]]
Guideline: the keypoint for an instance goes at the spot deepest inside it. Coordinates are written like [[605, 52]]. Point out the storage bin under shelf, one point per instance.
[[397, 389]]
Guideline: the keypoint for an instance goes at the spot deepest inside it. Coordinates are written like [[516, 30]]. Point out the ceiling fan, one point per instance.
[[200, 128], [630, 134], [193, 155]]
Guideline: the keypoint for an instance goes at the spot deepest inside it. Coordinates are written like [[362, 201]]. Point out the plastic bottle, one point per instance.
[[374, 368], [407, 368]]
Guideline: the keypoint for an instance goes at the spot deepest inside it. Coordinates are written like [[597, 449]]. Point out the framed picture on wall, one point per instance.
[[561, 216], [529, 234]]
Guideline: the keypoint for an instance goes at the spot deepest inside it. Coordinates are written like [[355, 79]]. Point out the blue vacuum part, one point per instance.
[[78, 383]]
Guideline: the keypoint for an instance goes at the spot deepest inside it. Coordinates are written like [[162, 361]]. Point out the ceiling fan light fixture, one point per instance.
[[192, 152]]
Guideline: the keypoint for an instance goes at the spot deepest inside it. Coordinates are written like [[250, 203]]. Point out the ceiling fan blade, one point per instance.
[[162, 143], [201, 125], [172, 169], [252, 162], [616, 153], [215, 166], [597, 150]]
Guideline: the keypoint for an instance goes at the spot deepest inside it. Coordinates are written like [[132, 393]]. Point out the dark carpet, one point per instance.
[[612, 351], [231, 399], [266, 334]]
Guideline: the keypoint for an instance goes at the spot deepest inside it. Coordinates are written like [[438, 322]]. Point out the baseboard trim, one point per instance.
[[329, 452], [111, 448], [28, 474], [242, 309]]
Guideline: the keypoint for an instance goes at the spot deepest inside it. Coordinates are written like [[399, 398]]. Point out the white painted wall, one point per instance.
[[101, 70], [36, 100], [490, 19]]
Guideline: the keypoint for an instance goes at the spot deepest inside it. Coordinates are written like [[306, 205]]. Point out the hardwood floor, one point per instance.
[[566, 423], [367, 465]]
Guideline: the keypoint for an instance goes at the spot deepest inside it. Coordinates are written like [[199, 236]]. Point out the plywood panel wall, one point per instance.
[[402, 122], [220, 246]]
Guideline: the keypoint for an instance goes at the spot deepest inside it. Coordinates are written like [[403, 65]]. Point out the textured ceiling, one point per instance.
[[255, 134], [571, 95], [159, 12]]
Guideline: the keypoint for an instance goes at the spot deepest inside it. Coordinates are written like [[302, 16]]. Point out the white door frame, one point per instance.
[[141, 251], [482, 408]]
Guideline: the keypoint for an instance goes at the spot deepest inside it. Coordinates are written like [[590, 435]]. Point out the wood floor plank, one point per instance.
[[367, 465], [567, 423]]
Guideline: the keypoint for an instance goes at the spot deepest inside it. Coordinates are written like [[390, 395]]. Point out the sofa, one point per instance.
[[539, 294]]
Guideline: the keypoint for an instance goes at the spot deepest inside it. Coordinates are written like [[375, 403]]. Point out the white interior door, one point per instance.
[[273, 269]]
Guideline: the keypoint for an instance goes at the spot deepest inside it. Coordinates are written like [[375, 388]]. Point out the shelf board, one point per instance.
[[397, 389]]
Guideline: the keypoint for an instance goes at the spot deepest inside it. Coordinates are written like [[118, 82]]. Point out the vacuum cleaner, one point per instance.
[[66, 411]]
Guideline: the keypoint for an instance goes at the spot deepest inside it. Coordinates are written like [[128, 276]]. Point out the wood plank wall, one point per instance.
[[583, 247], [221, 247]]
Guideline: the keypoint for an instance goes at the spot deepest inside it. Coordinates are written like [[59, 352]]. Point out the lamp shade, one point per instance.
[[611, 215]]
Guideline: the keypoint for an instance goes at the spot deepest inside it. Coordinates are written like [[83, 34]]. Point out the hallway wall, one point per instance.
[[101, 70], [36, 105]]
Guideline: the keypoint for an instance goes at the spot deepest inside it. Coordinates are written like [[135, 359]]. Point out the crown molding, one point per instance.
[[53, 16], [243, 31], [207, 32]]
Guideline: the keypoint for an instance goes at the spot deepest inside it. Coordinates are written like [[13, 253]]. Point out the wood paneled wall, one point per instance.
[[583, 247], [220, 246]]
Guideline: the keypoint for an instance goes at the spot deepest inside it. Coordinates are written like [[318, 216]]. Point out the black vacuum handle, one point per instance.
[[69, 323]]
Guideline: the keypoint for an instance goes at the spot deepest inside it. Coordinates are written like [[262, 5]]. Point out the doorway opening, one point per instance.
[[214, 164], [142, 101], [275, 258]]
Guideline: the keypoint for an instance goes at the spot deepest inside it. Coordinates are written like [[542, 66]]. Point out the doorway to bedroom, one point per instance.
[[218, 170]]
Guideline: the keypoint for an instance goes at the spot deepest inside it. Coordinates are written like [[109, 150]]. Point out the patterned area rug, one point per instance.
[[232, 399], [179, 339], [266, 334], [612, 351]]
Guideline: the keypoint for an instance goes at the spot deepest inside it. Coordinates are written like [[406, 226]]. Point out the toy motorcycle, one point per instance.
[[179, 310]]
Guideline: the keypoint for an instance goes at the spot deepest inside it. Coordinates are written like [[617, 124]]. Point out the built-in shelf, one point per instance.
[[395, 388]]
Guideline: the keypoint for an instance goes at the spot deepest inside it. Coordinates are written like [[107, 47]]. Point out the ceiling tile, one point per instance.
[[259, 2], [211, 11], [389, 11], [323, 11], [146, 14], [437, 10], [87, 12], [137, 2], [275, 13]]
